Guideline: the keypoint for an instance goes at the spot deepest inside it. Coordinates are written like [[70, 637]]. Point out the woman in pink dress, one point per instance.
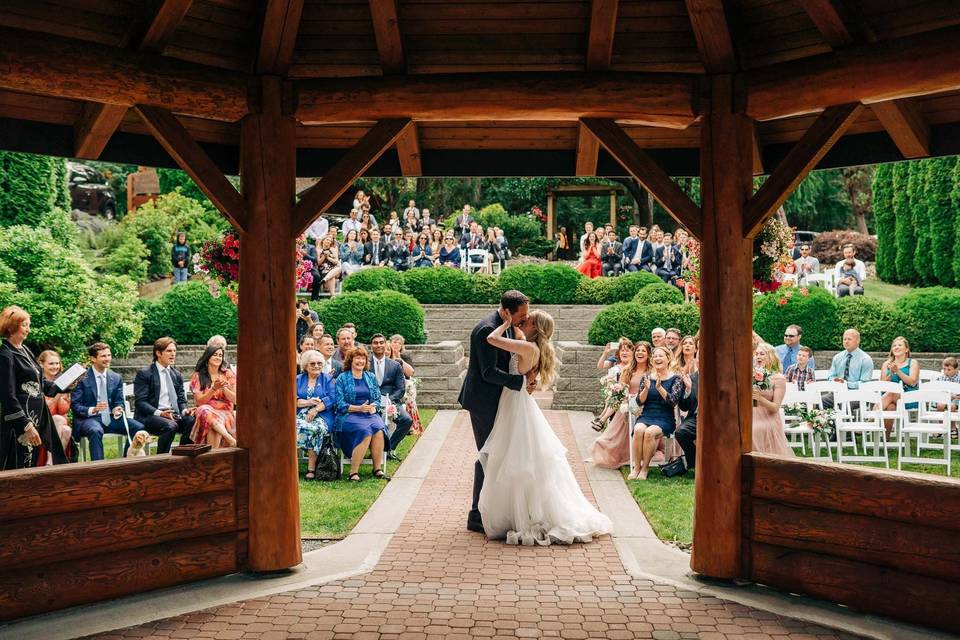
[[768, 434], [214, 388], [591, 266], [612, 448]]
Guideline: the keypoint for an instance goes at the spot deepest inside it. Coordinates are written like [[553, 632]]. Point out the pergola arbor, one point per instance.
[[281, 88]]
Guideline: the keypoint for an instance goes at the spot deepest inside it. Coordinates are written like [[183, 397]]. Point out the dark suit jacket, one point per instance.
[[383, 252], [487, 372], [84, 396], [394, 384], [676, 259], [146, 392], [630, 247], [690, 403], [399, 255], [612, 258], [646, 252]]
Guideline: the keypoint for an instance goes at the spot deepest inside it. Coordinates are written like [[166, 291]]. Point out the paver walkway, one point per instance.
[[438, 581]]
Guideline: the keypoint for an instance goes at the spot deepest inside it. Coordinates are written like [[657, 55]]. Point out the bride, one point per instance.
[[529, 492]]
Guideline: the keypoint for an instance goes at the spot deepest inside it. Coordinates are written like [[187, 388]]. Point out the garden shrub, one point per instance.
[[485, 290], [189, 314], [635, 321], [814, 309], [955, 200], [30, 187], [625, 288], [936, 312], [827, 247], [878, 322], [661, 293], [595, 291], [124, 253], [386, 312], [441, 285], [543, 284], [885, 222], [374, 280], [522, 231]]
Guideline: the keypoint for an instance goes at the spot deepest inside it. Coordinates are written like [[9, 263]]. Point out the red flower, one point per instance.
[[782, 301]]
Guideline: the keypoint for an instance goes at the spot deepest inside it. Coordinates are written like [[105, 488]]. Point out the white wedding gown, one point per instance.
[[530, 495]]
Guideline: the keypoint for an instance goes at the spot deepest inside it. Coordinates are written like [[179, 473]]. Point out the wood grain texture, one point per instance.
[[164, 23], [588, 151], [95, 127], [190, 157], [603, 26], [709, 22], [386, 30], [278, 36], [647, 172], [725, 415], [408, 149], [886, 70], [47, 65], [654, 99], [803, 157], [905, 123], [826, 15], [351, 166]]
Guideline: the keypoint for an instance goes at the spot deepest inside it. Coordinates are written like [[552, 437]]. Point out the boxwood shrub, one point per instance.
[[188, 314], [815, 311], [659, 293], [385, 312], [595, 291], [485, 289], [635, 321], [878, 322], [936, 312], [543, 284], [374, 280], [624, 288], [441, 285]]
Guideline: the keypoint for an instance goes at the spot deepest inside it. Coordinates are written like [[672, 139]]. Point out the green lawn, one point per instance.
[[332, 509], [884, 291]]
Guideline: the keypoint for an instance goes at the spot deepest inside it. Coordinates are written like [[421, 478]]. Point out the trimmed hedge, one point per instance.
[[30, 186], [596, 291], [815, 312], [374, 280], [543, 284], [905, 239], [635, 321], [936, 311], [485, 290], [878, 322], [660, 293], [624, 288], [188, 314], [385, 312], [441, 285]]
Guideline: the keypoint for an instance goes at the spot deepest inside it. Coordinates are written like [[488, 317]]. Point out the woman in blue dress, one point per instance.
[[316, 397], [422, 253], [351, 254], [450, 252], [902, 368], [358, 424], [657, 400]]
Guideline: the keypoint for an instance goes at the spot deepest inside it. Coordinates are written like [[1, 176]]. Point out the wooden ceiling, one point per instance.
[[329, 45]]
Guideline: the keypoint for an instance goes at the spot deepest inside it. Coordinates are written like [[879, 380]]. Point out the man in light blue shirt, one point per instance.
[[787, 352], [852, 365]]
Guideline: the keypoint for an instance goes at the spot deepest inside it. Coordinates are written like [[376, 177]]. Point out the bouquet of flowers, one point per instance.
[[410, 392], [820, 420], [761, 378], [614, 393], [771, 253]]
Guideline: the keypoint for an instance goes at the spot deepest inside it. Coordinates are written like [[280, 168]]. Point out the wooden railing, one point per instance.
[[77, 534], [879, 541]]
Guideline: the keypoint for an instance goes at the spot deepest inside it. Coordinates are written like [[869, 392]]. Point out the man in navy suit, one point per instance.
[[97, 402], [376, 252], [669, 260], [389, 374], [161, 404], [630, 246]]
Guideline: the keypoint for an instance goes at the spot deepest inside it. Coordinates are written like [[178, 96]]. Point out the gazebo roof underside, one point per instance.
[[346, 44]]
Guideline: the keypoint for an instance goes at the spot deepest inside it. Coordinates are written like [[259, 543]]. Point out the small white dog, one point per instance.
[[140, 445]]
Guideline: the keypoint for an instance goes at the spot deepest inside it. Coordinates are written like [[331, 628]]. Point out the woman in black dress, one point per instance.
[[25, 423]]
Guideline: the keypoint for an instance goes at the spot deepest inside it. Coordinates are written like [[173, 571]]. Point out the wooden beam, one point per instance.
[[757, 152], [386, 30], [588, 151], [803, 157], [351, 166], [905, 123], [826, 15], [185, 151], [654, 179], [603, 27], [37, 63], [165, 21], [408, 149], [278, 37], [914, 65], [665, 100], [709, 22], [95, 128]]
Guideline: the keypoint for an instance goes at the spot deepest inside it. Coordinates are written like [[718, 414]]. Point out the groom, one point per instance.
[[486, 377]]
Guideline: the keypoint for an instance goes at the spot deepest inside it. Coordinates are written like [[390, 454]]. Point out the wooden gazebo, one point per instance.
[[273, 89]]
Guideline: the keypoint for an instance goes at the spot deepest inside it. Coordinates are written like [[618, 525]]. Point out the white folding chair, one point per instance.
[[928, 375], [851, 423], [819, 279], [951, 409], [793, 427], [883, 387], [821, 375], [926, 400], [477, 260], [875, 375]]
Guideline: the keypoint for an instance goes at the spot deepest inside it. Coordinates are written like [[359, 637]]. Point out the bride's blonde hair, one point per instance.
[[542, 332]]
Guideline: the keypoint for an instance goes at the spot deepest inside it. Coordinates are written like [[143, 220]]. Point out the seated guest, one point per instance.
[[615, 358], [358, 425], [685, 360], [768, 434], [326, 346], [950, 373], [611, 255], [687, 431], [668, 260], [590, 264], [345, 338], [305, 318], [788, 351], [852, 365], [59, 405], [899, 367], [220, 341], [612, 448], [504, 246], [161, 405], [436, 242], [376, 252], [351, 254], [658, 336], [656, 398], [449, 252], [850, 273], [214, 389], [316, 397], [806, 264], [328, 266], [393, 385], [306, 343], [396, 351], [412, 222], [671, 340], [802, 371], [97, 402], [363, 237], [399, 255], [494, 250], [422, 254], [426, 220], [316, 332], [630, 245]]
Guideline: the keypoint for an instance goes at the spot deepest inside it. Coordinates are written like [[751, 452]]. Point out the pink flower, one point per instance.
[[758, 376], [782, 301]]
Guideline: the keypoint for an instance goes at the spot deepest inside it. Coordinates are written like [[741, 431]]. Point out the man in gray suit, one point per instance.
[[389, 374]]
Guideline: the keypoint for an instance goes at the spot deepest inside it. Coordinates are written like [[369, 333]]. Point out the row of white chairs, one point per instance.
[[926, 375]]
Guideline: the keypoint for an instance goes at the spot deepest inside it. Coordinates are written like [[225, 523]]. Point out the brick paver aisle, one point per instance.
[[437, 580]]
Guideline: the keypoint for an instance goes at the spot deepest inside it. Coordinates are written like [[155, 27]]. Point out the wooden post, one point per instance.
[[551, 221], [613, 209], [266, 359], [724, 427]]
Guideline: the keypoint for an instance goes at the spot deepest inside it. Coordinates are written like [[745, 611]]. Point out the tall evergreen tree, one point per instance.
[[941, 216], [955, 197], [885, 222], [27, 190], [917, 186], [903, 216]]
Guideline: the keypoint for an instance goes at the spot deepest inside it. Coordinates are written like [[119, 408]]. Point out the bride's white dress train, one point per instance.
[[530, 495]]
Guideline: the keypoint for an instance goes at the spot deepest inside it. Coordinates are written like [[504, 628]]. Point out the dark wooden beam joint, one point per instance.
[[647, 172], [906, 125], [408, 149], [603, 27], [95, 127], [386, 30], [278, 36], [709, 23], [588, 152], [803, 157], [164, 23]]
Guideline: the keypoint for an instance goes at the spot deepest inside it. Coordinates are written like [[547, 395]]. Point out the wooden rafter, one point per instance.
[[95, 127], [709, 22], [386, 29], [603, 24], [408, 149], [757, 152], [828, 18], [588, 150], [351, 166], [647, 172], [190, 157], [165, 21], [803, 157], [906, 124], [278, 37]]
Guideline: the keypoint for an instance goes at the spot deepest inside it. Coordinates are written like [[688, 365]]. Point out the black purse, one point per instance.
[[328, 460], [676, 467]]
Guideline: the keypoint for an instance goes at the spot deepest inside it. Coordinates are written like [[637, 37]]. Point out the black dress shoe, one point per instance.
[[392, 456], [475, 526]]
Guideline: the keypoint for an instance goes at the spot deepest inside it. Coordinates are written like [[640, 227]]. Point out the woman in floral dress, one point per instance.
[[214, 389]]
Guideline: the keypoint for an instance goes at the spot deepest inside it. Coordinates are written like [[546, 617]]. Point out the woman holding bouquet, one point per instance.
[[769, 386], [616, 357], [612, 448]]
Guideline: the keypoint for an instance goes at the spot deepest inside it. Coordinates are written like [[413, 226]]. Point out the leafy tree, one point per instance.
[[941, 216], [882, 186], [903, 223], [955, 198], [917, 186], [820, 203], [30, 186]]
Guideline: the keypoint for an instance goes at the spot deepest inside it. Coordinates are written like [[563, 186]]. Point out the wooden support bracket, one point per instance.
[[588, 152], [709, 23], [278, 36], [905, 123], [386, 30], [603, 28], [95, 128], [408, 148]]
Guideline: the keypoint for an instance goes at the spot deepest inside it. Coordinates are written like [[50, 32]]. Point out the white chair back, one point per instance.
[[478, 265], [927, 375], [927, 401], [821, 374], [808, 397], [826, 386], [953, 388], [882, 386]]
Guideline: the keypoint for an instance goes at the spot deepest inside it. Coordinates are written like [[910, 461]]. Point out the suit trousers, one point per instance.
[[93, 429], [166, 430], [612, 268], [403, 423], [687, 438], [482, 423]]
